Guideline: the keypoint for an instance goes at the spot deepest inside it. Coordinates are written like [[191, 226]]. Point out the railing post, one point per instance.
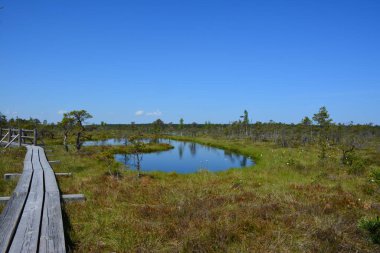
[[19, 137], [35, 137], [9, 135]]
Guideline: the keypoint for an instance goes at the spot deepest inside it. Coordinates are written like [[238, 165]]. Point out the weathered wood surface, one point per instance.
[[32, 218], [52, 235], [29, 226], [10, 216]]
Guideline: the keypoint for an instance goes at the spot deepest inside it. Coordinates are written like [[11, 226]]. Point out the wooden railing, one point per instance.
[[18, 136]]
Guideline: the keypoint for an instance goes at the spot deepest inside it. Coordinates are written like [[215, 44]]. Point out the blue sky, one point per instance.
[[200, 60]]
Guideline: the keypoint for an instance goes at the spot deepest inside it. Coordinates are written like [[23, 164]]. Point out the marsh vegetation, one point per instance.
[[314, 188]]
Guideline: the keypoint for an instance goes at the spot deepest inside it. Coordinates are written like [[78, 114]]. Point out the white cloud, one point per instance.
[[62, 111], [155, 113], [139, 113], [11, 113]]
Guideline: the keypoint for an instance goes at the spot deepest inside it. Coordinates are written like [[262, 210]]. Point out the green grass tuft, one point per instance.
[[372, 226]]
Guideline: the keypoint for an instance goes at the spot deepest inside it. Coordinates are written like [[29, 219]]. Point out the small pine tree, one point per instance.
[[306, 121], [322, 117]]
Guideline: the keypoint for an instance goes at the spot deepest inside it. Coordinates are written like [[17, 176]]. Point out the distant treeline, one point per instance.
[[285, 135], [282, 134]]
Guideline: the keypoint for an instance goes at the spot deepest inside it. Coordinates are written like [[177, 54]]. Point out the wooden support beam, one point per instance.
[[63, 174], [9, 176], [35, 135], [9, 135], [4, 200], [28, 131], [19, 137], [27, 137], [67, 198]]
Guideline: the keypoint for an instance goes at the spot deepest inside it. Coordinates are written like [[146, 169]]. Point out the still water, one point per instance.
[[185, 157]]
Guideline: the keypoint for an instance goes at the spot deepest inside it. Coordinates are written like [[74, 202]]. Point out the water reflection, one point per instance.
[[180, 150], [127, 159], [186, 157], [243, 162], [193, 148]]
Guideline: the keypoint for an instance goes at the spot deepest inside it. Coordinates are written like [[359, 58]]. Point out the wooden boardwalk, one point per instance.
[[32, 219]]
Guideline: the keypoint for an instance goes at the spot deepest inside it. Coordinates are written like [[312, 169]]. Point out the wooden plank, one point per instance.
[[26, 177], [24, 182], [50, 180], [52, 234], [27, 166], [32, 218], [9, 220], [12, 213], [27, 234], [52, 237], [28, 155], [26, 237]]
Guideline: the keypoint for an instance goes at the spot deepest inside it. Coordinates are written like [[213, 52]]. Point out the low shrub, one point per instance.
[[376, 176], [358, 168], [372, 226]]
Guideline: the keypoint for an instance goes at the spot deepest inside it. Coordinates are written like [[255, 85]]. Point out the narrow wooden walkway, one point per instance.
[[32, 218]]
